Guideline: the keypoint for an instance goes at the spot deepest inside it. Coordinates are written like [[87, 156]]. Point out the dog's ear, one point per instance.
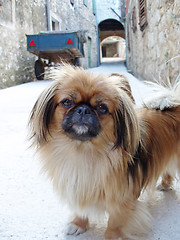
[[126, 124], [123, 84], [41, 115]]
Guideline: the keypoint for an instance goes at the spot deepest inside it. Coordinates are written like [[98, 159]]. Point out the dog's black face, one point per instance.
[[81, 123]]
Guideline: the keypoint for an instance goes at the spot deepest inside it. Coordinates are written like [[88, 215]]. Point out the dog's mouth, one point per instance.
[[80, 129], [81, 132], [81, 123]]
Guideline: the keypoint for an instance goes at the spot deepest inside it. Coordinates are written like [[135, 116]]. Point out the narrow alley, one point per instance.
[[29, 207], [136, 38]]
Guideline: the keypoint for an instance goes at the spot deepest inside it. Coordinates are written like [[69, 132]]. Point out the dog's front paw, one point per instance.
[[77, 226], [113, 239], [163, 188], [166, 183], [75, 230]]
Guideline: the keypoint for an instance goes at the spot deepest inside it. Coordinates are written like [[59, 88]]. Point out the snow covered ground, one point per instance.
[[29, 209]]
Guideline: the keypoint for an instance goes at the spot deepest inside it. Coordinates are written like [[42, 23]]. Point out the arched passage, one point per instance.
[[113, 49], [111, 39], [110, 27]]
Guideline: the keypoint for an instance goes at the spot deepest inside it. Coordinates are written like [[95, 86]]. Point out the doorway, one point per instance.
[[89, 52]]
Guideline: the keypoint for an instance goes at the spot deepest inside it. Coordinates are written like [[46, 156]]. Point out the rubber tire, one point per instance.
[[39, 69], [76, 62]]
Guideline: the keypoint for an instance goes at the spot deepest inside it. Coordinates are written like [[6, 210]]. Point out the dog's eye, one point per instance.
[[67, 103], [102, 109]]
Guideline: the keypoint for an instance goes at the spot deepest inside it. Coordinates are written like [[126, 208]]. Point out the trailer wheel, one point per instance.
[[76, 62], [39, 69]]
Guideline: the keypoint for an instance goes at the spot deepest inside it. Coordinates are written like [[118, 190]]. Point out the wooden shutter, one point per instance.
[[142, 14]]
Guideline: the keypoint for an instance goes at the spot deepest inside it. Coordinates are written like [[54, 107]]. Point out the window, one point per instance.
[[7, 13], [55, 25], [55, 22], [72, 2], [142, 14]]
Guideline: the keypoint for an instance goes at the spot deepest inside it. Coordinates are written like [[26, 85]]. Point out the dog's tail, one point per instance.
[[164, 97]]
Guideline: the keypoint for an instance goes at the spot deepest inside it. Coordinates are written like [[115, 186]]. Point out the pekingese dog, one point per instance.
[[100, 150]]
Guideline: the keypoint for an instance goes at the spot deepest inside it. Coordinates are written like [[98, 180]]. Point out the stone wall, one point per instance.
[[18, 18], [154, 53]]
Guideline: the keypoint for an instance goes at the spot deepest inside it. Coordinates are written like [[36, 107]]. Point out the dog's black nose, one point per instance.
[[83, 110]]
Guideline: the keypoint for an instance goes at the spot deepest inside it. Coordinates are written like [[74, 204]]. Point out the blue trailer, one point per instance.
[[55, 47]]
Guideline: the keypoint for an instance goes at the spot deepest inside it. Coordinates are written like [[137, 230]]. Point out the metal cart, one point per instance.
[[55, 47]]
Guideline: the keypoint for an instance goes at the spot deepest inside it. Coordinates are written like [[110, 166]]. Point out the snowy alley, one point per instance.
[[29, 209]]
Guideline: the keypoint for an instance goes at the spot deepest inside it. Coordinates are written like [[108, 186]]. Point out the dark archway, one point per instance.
[[110, 27]]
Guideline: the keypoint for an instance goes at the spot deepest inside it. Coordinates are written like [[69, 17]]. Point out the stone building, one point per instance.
[[18, 18], [153, 39]]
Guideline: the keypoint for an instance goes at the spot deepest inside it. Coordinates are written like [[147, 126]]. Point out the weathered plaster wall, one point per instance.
[[18, 18], [154, 53]]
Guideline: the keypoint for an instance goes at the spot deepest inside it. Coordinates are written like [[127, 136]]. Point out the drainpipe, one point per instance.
[[48, 15], [98, 45], [97, 34]]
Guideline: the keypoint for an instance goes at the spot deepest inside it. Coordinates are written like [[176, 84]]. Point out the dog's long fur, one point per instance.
[[107, 173]]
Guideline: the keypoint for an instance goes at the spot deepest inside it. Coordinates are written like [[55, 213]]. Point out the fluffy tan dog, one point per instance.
[[99, 151]]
